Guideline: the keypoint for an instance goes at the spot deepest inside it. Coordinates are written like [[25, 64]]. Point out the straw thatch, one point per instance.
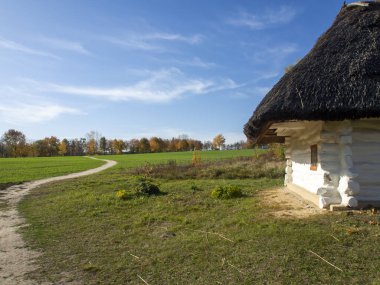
[[338, 79]]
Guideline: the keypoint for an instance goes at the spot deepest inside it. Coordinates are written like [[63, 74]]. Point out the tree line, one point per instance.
[[13, 143]]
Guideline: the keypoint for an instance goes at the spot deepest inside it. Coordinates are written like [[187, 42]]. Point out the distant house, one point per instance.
[[326, 110]]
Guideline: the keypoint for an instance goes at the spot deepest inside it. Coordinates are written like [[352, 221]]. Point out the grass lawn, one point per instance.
[[17, 170], [187, 237]]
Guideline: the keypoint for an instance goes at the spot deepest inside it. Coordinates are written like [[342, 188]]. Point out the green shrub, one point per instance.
[[195, 188], [146, 187], [226, 192]]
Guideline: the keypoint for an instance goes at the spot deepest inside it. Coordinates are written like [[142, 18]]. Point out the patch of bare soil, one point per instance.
[[282, 203], [16, 259]]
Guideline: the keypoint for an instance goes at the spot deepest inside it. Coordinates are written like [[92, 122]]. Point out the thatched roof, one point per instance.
[[338, 79]]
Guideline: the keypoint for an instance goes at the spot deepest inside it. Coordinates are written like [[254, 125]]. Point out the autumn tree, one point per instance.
[[91, 148], [183, 145], [157, 144], [63, 147], [77, 146], [118, 146], [3, 152], [48, 146], [144, 145], [92, 139], [218, 141], [172, 145], [133, 145], [14, 142], [195, 144]]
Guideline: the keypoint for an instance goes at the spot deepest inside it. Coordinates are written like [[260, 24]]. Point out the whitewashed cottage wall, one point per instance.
[[366, 158], [348, 169], [298, 146]]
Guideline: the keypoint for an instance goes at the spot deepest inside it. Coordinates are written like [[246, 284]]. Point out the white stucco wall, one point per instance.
[[299, 154], [366, 158], [310, 180]]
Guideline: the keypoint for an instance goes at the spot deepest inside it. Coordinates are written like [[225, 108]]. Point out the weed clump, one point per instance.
[[145, 187], [195, 188], [140, 186], [226, 192]]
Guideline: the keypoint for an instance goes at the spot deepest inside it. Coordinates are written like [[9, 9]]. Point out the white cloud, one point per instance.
[[32, 113], [275, 53], [252, 91], [152, 41], [11, 45], [265, 75], [160, 86], [194, 39], [65, 45], [196, 62], [133, 43], [282, 15]]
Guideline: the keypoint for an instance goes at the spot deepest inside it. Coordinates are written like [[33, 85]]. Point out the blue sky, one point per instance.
[[139, 68]]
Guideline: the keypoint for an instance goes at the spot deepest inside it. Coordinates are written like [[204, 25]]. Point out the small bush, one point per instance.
[[146, 187], [122, 194], [226, 192], [195, 188]]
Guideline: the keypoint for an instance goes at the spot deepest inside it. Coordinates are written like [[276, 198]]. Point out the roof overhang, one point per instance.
[[268, 134]]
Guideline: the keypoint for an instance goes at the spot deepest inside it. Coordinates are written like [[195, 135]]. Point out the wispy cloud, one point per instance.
[[134, 43], [21, 104], [193, 39], [265, 75], [252, 91], [281, 15], [19, 113], [161, 86], [196, 62], [273, 53], [11, 45], [152, 41], [65, 45]]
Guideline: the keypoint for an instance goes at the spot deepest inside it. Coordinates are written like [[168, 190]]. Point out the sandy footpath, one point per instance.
[[16, 259]]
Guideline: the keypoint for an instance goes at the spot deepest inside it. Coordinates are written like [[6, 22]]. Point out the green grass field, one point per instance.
[[136, 160], [17, 170], [87, 234]]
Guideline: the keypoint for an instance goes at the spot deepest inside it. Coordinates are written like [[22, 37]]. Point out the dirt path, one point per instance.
[[15, 258]]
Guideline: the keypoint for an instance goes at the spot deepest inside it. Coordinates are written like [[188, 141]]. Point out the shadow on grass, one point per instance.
[[4, 186], [131, 196]]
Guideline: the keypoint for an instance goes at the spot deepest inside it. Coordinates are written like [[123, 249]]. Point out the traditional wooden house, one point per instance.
[[326, 110]]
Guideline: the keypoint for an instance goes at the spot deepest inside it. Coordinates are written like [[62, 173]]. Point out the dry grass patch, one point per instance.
[[282, 203]]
